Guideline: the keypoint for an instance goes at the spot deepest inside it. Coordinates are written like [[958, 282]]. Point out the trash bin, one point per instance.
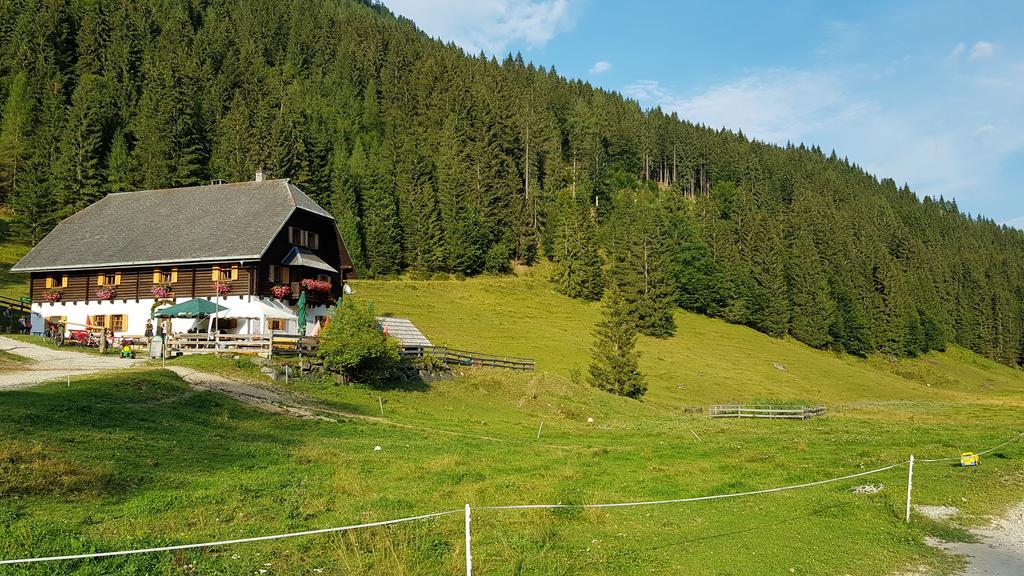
[[156, 346]]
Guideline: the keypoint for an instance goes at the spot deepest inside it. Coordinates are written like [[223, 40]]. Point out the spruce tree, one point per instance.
[[641, 266], [614, 365], [577, 272], [380, 206], [15, 138]]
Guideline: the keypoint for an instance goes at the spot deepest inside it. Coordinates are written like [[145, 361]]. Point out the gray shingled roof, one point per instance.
[[299, 256], [236, 221]]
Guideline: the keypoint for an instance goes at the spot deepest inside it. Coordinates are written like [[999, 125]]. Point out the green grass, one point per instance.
[[10, 360], [11, 285], [139, 459]]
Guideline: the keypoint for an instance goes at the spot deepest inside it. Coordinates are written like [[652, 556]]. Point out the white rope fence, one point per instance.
[[227, 542], [696, 498], [467, 512]]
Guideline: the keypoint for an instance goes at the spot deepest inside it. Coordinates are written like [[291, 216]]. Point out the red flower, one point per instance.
[[314, 285]]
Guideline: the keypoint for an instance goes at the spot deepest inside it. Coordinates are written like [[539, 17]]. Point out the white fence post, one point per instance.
[[910, 485], [469, 553]]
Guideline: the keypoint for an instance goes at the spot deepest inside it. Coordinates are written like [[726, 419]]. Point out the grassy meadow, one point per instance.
[[138, 459]]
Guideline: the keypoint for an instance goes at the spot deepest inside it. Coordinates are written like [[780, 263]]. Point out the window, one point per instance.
[[223, 274], [275, 325], [277, 274], [300, 237], [162, 276], [115, 322], [108, 279]]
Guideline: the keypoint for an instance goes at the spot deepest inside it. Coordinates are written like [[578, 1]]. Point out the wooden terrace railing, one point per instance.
[[261, 344]]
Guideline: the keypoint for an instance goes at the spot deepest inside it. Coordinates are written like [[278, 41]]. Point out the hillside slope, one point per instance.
[[137, 459], [707, 361]]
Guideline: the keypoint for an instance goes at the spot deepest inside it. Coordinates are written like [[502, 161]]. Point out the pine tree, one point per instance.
[[120, 168], [380, 211], [640, 269], [79, 174], [15, 138], [615, 363], [577, 272]]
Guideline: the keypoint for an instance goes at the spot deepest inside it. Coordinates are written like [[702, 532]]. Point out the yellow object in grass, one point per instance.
[[969, 459]]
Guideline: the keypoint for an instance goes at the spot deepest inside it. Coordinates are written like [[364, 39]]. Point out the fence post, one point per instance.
[[910, 485], [469, 553]]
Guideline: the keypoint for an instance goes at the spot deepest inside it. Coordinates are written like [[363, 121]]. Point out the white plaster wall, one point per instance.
[[139, 312]]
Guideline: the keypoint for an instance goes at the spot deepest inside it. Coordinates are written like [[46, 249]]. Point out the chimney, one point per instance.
[[259, 175]]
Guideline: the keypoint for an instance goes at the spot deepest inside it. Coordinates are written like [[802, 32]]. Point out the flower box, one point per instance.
[[106, 293], [52, 295], [162, 290], [312, 285], [221, 287], [281, 291]]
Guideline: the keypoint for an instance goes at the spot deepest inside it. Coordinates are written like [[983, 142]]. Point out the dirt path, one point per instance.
[[1000, 551], [49, 364]]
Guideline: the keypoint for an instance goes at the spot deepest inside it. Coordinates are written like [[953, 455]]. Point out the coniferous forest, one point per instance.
[[436, 161]]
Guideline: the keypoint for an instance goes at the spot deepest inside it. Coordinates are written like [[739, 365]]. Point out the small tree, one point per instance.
[[353, 345], [614, 365]]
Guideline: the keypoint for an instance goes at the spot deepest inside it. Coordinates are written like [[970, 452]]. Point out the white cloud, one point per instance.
[[599, 67], [982, 49], [772, 105], [1017, 222], [952, 135], [489, 25]]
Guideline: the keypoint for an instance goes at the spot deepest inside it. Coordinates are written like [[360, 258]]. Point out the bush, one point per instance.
[[353, 345], [497, 259]]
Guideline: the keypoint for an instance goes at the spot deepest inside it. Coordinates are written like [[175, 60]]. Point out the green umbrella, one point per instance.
[[301, 305], [195, 308]]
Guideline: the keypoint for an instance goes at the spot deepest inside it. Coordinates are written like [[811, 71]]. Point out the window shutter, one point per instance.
[[117, 278], [64, 281], [234, 272], [174, 275]]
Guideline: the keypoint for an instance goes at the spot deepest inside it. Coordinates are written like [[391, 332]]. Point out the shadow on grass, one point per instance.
[[137, 429]]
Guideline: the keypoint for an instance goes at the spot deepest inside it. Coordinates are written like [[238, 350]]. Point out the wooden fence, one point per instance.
[[765, 411], [455, 357], [262, 344]]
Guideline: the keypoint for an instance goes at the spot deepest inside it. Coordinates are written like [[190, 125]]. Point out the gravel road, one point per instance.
[[49, 364]]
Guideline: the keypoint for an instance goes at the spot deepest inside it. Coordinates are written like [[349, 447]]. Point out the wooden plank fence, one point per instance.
[[261, 344], [455, 357], [765, 411]]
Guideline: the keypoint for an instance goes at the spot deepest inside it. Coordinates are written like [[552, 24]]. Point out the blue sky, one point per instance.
[[926, 92]]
